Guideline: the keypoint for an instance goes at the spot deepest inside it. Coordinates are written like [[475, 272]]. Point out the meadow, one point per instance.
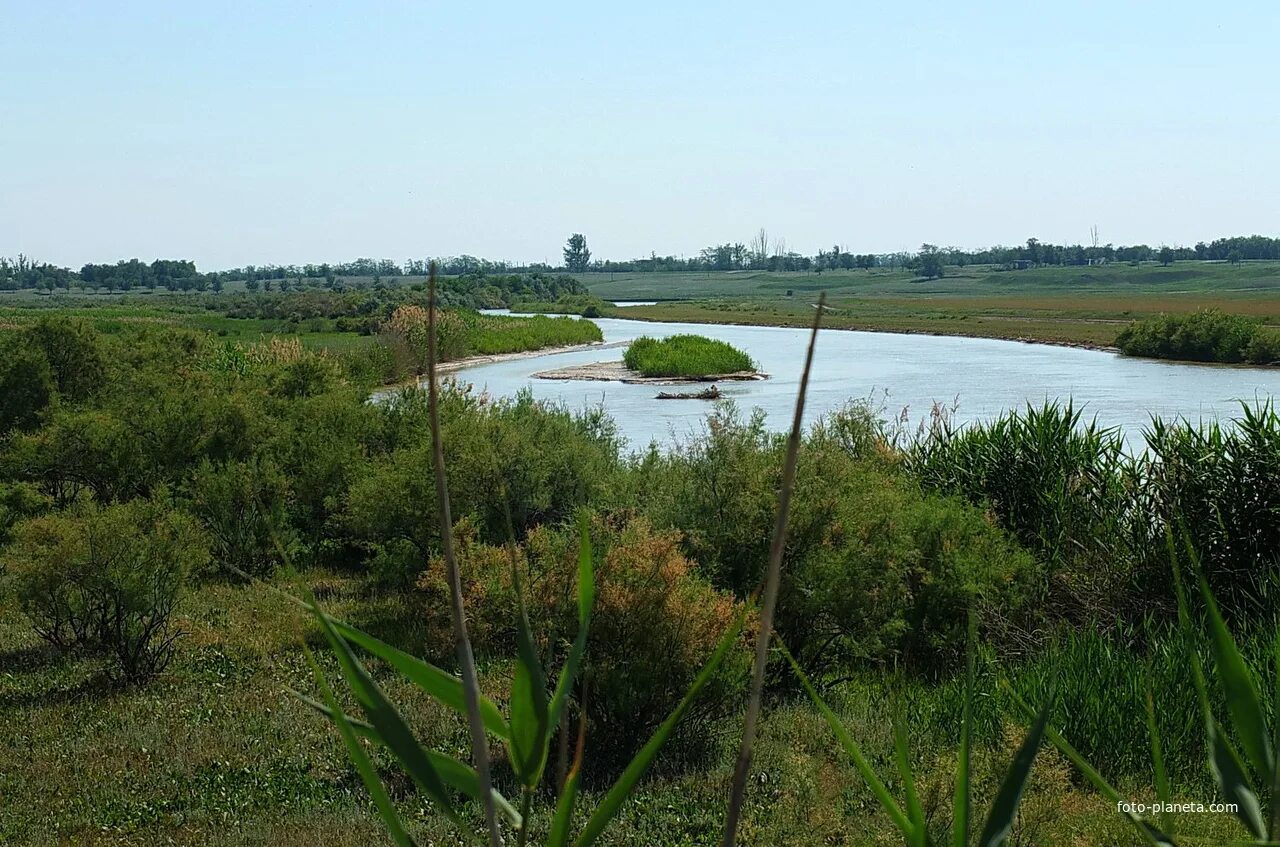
[[1088, 306], [239, 472]]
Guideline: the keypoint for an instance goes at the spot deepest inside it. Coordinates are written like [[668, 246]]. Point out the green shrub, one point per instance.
[[876, 570], [308, 376], [243, 507], [1065, 490], [27, 386], [515, 460], [74, 352], [107, 575], [1210, 335], [655, 623], [685, 356]]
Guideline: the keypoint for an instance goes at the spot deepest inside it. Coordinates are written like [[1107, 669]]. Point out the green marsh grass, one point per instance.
[[685, 356]]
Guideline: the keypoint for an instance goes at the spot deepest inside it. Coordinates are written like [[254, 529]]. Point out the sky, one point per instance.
[[270, 132]]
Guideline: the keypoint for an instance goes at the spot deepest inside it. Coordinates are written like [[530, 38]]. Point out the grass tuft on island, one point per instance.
[[686, 356]]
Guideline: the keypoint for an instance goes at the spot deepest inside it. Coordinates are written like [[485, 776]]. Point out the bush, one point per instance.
[[1064, 490], [74, 353], [107, 575], [513, 464], [308, 376], [875, 569], [655, 623], [685, 356], [1210, 335], [27, 386], [243, 506]]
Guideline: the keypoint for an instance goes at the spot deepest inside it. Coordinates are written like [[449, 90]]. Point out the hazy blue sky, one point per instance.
[[276, 132]]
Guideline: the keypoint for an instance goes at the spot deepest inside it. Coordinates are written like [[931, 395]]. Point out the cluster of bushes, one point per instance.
[[685, 356], [1210, 335], [462, 333], [1098, 517], [586, 305], [138, 463], [107, 577]]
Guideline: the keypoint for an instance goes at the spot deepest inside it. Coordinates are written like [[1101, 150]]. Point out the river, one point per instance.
[[979, 377]]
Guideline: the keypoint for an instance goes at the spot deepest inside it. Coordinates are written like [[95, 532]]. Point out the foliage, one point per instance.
[[73, 352], [1220, 485], [876, 570], [244, 508], [516, 460], [27, 386], [1062, 487], [107, 575], [655, 623], [685, 356], [569, 304], [1210, 335], [577, 257]]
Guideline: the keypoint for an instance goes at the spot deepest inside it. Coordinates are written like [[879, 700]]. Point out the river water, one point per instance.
[[980, 378]]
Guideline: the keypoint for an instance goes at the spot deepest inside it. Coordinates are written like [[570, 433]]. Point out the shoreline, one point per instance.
[[616, 371], [456, 365], [1023, 339], [492, 358]]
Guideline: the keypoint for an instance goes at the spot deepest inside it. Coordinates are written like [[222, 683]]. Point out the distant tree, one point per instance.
[[930, 261], [1166, 256], [760, 248], [251, 285], [577, 257], [1234, 257], [217, 284]]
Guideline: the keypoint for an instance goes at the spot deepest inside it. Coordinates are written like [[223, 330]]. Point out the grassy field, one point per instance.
[[218, 752], [1066, 305]]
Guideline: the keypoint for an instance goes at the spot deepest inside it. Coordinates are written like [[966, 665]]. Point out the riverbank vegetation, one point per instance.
[[570, 304], [1206, 336], [165, 712], [691, 356]]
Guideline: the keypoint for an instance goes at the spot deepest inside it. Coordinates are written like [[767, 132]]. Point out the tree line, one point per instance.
[[762, 253]]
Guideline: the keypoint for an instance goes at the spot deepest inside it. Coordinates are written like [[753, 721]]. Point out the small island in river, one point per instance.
[[675, 360], [618, 372]]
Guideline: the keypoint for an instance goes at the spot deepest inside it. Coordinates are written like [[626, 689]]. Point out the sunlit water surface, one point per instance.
[[980, 378]]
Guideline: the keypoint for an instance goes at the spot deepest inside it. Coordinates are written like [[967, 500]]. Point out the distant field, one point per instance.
[[1065, 305], [1179, 278]]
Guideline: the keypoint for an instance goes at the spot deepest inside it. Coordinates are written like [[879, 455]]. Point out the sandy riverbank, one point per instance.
[[618, 372]]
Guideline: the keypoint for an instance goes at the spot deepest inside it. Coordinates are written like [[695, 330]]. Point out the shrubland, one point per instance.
[[1209, 335], [147, 516]]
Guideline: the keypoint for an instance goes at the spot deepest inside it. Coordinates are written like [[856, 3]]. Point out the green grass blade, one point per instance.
[[961, 805], [902, 757], [530, 729], [890, 806], [1275, 738], [1157, 759], [1005, 808], [441, 685], [586, 602], [1150, 834], [560, 823], [459, 775], [1228, 770], [621, 789], [392, 729], [1243, 702], [372, 783]]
